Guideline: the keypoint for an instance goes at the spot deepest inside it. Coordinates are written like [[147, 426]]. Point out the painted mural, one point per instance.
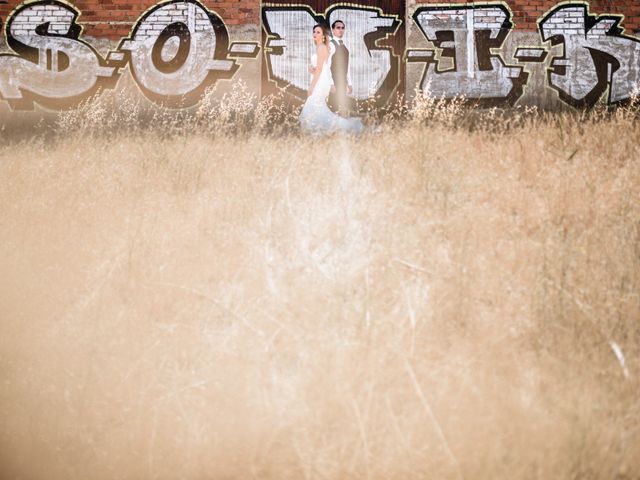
[[179, 48]]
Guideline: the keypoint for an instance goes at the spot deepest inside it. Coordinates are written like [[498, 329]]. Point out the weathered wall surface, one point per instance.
[[521, 52]]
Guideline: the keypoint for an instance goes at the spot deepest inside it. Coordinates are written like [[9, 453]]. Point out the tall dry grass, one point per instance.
[[201, 296]]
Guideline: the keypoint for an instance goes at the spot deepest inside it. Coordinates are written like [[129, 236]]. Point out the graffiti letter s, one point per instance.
[[51, 66]]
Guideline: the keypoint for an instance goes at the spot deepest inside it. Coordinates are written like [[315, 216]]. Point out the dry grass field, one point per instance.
[[213, 295]]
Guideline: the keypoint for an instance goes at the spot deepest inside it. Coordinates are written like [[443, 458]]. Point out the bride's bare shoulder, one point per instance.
[[323, 52]]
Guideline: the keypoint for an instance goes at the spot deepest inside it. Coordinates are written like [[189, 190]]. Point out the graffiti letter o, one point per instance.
[[180, 31]]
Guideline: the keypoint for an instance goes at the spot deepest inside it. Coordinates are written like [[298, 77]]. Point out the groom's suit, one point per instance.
[[340, 100]]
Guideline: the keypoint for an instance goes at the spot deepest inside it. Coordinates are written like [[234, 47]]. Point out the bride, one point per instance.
[[316, 118]]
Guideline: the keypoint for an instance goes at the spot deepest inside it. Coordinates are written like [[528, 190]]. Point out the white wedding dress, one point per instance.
[[316, 117]]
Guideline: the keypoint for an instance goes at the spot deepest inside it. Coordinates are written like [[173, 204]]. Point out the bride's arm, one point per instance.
[[322, 52]]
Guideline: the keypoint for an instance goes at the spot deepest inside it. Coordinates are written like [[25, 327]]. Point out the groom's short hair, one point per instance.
[[333, 25]]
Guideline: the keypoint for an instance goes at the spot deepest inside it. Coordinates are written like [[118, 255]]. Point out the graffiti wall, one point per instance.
[[573, 57], [175, 51], [553, 54]]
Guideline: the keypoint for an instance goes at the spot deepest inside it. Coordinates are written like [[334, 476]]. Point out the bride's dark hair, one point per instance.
[[326, 33]]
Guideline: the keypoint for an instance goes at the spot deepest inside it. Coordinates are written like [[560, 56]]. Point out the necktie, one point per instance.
[[341, 42]]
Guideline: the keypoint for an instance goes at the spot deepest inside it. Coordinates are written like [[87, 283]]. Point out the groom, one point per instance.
[[342, 87]]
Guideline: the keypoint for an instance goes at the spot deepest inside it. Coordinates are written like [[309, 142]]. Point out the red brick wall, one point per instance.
[[527, 12], [114, 19]]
